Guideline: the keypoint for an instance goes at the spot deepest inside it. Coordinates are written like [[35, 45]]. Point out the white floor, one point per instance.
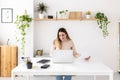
[[116, 77]]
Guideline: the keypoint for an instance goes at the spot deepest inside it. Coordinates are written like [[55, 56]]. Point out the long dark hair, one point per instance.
[[57, 41]]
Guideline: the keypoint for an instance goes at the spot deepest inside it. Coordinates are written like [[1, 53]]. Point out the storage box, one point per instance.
[[75, 15]]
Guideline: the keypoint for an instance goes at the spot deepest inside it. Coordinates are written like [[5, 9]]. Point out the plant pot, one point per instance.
[[41, 15], [29, 65], [87, 16], [39, 52]]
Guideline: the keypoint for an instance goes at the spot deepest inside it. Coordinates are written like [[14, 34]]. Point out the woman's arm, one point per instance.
[[52, 48], [76, 55]]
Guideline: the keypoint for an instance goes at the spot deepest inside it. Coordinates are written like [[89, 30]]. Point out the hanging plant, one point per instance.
[[22, 23], [102, 22]]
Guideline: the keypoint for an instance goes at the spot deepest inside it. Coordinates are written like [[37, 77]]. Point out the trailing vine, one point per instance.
[[22, 23], [102, 23]]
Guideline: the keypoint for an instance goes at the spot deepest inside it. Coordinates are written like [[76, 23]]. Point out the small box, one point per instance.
[[72, 15], [78, 15], [75, 15], [50, 17]]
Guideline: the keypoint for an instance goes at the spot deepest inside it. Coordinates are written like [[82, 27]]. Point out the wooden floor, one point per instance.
[[116, 77]]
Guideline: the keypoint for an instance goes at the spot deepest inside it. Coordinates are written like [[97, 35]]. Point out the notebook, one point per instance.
[[63, 56], [43, 61]]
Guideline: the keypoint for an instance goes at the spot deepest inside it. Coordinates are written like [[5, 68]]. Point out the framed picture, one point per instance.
[[6, 15]]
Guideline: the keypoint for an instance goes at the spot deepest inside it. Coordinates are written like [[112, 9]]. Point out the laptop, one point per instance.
[[63, 56]]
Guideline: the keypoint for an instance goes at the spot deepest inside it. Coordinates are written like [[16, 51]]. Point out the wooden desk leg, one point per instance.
[[94, 77], [111, 76]]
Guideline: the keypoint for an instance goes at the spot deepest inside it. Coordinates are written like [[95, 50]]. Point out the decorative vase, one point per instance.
[[23, 61]]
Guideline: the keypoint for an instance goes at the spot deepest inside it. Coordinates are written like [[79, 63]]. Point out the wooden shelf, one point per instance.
[[90, 19], [46, 19]]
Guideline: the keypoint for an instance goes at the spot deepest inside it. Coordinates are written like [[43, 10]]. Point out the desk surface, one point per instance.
[[79, 67]]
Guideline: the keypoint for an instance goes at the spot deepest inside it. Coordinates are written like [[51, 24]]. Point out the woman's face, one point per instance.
[[62, 36]]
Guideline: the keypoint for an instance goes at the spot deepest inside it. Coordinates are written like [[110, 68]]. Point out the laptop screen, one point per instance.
[[63, 56]]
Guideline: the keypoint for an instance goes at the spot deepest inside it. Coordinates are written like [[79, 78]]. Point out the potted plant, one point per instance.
[[102, 22], [41, 8], [63, 13], [88, 14], [22, 23], [29, 63]]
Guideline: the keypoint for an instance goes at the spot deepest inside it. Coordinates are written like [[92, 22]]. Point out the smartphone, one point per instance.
[[45, 66]]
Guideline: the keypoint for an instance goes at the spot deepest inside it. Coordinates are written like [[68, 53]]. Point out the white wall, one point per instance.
[[7, 30], [85, 34]]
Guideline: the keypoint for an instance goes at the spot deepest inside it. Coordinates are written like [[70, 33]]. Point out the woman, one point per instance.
[[64, 42]]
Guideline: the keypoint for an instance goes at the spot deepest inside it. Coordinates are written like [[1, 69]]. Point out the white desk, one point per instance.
[[80, 67]]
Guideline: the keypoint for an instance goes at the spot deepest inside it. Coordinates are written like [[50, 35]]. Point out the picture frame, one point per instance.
[[6, 15]]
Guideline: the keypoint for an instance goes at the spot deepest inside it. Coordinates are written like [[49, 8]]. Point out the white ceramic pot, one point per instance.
[[87, 16], [41, 15]]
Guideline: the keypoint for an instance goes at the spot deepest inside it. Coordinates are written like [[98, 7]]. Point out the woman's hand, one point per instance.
[[76, 55], [87, 58]]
